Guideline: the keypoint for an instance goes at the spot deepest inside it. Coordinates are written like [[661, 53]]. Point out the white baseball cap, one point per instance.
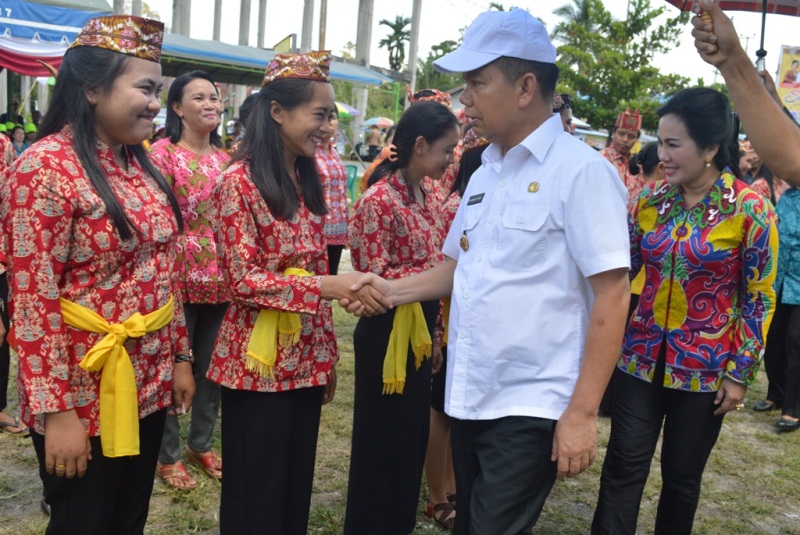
[[495, 34]]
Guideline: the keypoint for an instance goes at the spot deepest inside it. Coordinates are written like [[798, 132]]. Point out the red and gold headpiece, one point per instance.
[[473, 141], [629, 121], [134, 36], [311, 66], [435, 95], [746, 146]]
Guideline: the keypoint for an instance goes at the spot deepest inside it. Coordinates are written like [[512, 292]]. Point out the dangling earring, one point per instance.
[[708, 163]]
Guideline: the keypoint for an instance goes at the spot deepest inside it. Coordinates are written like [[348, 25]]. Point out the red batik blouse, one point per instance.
[[62, 243], [256, 248], [633, 183], [333, 176]]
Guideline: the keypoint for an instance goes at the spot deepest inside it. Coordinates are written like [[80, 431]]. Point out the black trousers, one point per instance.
[[269, 441], [690, 432], [782, 359], [5, 353], [390, 434], [334, 257], [113, 497], [503, 473]]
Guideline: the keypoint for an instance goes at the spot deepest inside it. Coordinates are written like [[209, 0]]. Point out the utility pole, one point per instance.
[[187, 17], [244, 23], [308, 24], [363, 43], [136, 8], [323, 19], [217, 20], [262, 22], [413, 45], [177, 16], [119, 9]]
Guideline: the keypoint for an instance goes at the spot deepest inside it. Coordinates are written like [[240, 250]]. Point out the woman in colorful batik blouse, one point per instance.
[[276, 352], [395, 231], [191, 159], [333, 176], [91, 228], [708, 246]]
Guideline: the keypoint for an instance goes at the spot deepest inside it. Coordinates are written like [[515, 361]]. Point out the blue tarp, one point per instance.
[[27, 20]]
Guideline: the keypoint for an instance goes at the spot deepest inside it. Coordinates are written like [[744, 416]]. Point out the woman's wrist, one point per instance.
[[184, 357]]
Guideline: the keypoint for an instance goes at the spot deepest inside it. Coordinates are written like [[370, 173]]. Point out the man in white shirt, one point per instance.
[[538, 259]]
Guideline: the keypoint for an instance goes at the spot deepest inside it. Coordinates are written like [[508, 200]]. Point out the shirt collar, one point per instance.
[[537, 143]]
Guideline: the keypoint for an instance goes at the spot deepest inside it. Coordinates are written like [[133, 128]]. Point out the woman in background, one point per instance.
[[333, 175]]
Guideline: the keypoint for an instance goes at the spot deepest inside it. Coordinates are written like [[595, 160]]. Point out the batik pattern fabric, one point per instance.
[[394, 237], [788, 282], [761, 186], [125, 34], [333, 176], [195, 180], [633, 183], [256, 248], [7, 154], [62, 243], [708, 292]]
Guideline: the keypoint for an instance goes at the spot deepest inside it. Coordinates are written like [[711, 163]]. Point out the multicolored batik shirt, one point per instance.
[[788, 282], [708, 291], [194, 179], [62, 243], [333, 176], [256, 248]]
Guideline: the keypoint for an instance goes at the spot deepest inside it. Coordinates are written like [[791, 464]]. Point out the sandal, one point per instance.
[[176, 476], [444, 514], [452, 499], [22, 431], [209, 462]]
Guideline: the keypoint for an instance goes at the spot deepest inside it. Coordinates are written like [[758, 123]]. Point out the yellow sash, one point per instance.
[[273, 328], [119, 405], [446, 316], [408, 326]]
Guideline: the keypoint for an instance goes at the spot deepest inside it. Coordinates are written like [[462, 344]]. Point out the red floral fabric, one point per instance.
[[62, 244], [633, 183], [761, 187], [256, 248], [194, 179], [333, 176]]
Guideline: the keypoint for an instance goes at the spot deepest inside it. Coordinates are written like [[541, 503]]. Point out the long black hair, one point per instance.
[[95, 68], [707, 116], [262, 147], [428, 119], [174, 126], [647, 158]]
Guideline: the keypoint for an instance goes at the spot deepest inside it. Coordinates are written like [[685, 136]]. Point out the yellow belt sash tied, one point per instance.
[[119, 405], [408, 326], [273, 328]]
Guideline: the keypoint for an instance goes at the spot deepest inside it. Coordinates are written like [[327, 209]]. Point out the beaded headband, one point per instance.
[[133, 36], [436, 96], [629, 121], [311, 66]]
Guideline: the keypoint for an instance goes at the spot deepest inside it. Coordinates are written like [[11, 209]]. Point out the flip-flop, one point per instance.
[[209, 462], [176, 476], [21, 432]]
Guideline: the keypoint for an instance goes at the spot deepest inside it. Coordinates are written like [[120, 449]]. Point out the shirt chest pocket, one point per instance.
[[521, 237]]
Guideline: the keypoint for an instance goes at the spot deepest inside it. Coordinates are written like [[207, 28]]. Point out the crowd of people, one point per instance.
[[510, 282]]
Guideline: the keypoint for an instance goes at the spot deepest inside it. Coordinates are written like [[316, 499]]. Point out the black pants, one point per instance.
[[782, 359], [113, 497], [390, 434], [334, 257], [503, 473], [690, 432], [5, 353], [269, 441]]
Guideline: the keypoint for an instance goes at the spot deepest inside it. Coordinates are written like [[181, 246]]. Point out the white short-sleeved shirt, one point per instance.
[[536, 223]]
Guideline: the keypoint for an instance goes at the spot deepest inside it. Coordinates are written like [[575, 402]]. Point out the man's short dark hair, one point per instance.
[[546, 73]]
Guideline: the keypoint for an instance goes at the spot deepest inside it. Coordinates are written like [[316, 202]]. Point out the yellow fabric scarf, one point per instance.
[[119, 405], [446, 316], [408, 326], [272, 329]]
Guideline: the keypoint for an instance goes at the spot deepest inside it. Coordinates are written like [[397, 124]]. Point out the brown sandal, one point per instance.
[[209, 462], [176, 476], [444, 514]]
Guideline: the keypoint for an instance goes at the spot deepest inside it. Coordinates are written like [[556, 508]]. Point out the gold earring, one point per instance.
[[708, 163]]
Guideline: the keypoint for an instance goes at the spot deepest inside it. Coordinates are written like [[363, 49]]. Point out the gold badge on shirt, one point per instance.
[[464, 242], [533, 187]]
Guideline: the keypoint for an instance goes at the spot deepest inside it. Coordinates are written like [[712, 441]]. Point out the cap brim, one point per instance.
[[463, 60]]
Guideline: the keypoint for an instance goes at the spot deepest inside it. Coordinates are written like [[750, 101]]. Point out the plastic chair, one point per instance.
[[352, 172]]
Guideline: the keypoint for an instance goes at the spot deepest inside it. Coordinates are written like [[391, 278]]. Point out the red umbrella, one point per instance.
[[782, 7]]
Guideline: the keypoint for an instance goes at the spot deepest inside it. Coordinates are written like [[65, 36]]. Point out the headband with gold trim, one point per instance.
[[134, 36], [311, 66], [435, 95], [629, 121]]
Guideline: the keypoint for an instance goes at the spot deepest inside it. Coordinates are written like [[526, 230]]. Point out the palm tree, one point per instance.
[[395, 42], [578, 13]]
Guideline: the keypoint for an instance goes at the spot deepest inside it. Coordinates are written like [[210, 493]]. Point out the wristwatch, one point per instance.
[[185, 358]]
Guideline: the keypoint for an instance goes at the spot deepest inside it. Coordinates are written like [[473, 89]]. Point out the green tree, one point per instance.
[[578, 13], [607, 64], [395, 41], [428, 77], [496, 6]]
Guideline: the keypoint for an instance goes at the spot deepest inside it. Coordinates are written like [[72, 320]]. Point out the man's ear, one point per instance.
[[528, 86]]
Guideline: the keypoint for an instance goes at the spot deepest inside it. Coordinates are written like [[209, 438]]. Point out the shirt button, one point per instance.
[[462, 334], [480, 258], [466, 295], [492, 219], [520, 220], [503, 183]]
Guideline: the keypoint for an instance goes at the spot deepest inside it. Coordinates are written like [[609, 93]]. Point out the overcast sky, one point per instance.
[[442, 20]]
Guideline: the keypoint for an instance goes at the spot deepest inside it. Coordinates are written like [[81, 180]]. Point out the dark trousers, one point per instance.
[[782, 359], [390, 435], [270, 444], [334, 257], [503, 473], [113, 497], [690, 432], [5, 353]]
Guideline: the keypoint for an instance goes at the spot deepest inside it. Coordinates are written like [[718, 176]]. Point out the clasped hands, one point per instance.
[[367, 294]]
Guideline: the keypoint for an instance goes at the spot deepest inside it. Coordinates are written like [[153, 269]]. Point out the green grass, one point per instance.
[[749, 486]]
